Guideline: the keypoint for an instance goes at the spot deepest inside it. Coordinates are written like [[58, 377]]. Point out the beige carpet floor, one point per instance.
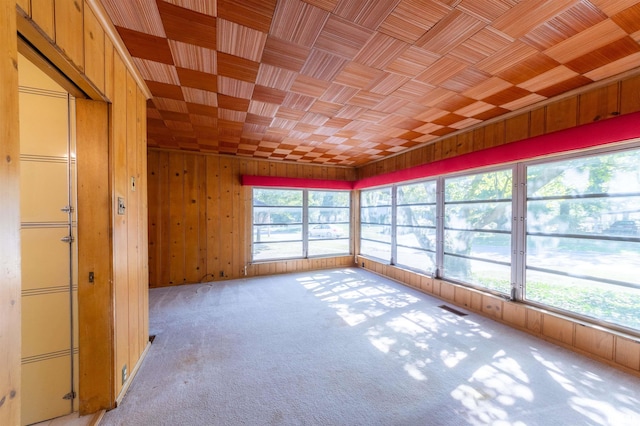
[[348, 347]]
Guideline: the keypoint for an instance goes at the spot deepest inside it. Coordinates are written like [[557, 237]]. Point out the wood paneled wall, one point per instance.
[[111, 157], [10, 339], [606, 346], [200, 216], [617, 98]]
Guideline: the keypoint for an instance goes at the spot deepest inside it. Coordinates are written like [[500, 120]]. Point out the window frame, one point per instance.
[[309, 224], [304, 224], [390, 225], [253, 224], [630, 145], [398, 205], [442, 269], [518, 233]]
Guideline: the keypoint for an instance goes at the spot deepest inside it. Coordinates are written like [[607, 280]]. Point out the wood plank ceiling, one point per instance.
[[346, 82]]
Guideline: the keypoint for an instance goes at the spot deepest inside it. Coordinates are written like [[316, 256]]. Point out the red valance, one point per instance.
[[273, 181]]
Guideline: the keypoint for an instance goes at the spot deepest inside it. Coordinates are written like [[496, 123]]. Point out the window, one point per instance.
[[416, 226], [477, 229], [329, 223], [294, 223], [277, 223], [375, 223], [567, 238], [583, 236]]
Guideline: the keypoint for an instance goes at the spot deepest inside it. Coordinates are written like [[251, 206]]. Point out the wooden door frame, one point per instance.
[[96, 333], [10, 275], [95, 249]]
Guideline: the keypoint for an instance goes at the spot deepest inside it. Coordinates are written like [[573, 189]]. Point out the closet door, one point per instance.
[[49, 285]]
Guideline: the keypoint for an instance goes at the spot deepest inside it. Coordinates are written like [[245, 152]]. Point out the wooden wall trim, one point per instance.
[[118, 44], [10, 275], [299, 265]]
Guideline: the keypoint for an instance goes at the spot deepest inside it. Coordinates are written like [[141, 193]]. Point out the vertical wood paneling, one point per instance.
[[478, 139], [10, 320], [143, 222], [597, 342], [192, 272], [515, 314], [154, 214], [494, 134], [108, 69], [447, 291], [448, 148], [69, 30], [630, 95], [25, 5], [120, 242], [492, 306], [165, 220], [226, 216], [280, 169], [599, 104], [534, 321], [94, 52], [517, 128], [537, 122], [627, 353], [562, 115], [202, 216], [292, 170], [132, 213], [214, 232], [462, 297], [214, 211], [176, 221], [464, 143], [238, 214], [559, 329], [476, 301], [263, 168], [43, 15]]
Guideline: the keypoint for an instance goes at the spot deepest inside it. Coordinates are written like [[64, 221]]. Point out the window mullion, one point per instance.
[[518, 232], [305, 224], [439, 227], [394, 222]]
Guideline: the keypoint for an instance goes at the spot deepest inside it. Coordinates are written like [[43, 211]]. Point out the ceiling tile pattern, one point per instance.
[[347, 82]]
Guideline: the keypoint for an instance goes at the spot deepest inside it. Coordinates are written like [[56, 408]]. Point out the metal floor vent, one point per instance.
[[453, 311]]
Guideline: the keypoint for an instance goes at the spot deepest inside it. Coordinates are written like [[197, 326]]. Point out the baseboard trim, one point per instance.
[[97, 418], [133, 374]]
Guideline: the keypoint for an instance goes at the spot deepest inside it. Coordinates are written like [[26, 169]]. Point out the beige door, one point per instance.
[[49, 255]]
